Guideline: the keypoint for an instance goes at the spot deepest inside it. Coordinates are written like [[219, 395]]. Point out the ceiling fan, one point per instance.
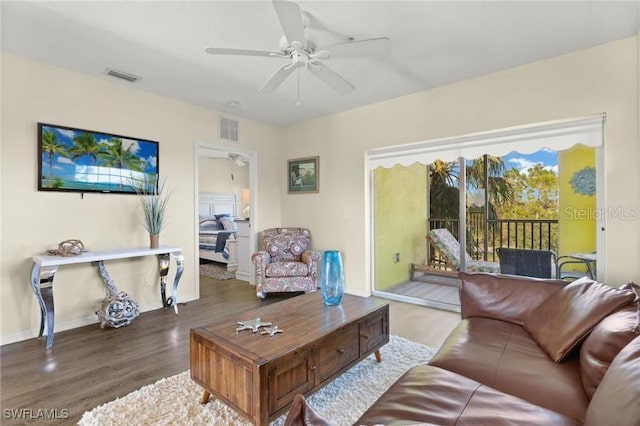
[[302, 52]]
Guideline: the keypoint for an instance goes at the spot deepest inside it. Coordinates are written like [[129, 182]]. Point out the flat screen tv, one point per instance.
[[80, 160]]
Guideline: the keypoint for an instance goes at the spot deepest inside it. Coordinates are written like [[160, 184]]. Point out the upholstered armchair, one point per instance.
[[285, 262]]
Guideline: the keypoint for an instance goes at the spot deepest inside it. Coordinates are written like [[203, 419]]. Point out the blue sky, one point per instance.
[[523, 162], [140, 148]]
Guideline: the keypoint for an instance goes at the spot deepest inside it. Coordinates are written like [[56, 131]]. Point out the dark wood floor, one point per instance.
[[89, 366]]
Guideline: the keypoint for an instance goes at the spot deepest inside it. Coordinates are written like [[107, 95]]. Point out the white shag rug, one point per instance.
[[175, 400]]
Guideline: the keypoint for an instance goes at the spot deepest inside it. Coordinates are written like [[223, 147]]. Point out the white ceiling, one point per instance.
[[433, 44]]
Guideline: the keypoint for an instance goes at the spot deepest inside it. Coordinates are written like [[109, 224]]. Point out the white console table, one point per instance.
[[45, 267]]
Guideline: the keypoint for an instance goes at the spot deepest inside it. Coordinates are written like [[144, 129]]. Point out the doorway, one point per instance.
[[452, 187], [228, 175]]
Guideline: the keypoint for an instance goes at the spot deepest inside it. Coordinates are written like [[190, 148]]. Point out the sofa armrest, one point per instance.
[[503, 297], [312, 258]]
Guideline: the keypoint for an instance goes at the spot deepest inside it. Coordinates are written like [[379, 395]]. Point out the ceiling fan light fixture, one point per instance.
[[232, 104]]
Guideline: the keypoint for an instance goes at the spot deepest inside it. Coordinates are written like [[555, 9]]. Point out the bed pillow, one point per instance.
[[563, 320], [209, 224], [228, 224]]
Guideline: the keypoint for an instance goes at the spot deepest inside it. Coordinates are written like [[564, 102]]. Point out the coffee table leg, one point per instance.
[[378, 356], [205, 397]]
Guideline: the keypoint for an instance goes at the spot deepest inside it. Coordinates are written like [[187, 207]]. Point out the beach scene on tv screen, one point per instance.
[[81, 160]]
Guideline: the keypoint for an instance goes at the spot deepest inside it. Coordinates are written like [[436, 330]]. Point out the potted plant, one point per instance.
[[154, 198]]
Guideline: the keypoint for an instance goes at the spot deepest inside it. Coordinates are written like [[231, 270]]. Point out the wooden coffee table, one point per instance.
[[259, 375]]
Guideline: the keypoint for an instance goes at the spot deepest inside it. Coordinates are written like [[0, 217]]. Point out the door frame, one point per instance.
[[213, 149]]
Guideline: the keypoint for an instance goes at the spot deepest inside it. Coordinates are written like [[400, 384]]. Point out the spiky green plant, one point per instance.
[[154, 197]]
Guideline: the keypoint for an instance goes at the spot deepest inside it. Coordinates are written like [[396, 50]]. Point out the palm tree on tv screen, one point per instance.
[[51, 146], [86, 144], [117, 156]]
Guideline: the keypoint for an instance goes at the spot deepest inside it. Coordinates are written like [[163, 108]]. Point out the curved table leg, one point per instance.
[[163, 261], [176, 280], [42, 285]]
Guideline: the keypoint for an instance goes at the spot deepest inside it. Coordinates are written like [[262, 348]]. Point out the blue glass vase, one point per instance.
[[332, 277]]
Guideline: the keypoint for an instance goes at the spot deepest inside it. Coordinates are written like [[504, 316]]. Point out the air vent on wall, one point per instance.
[[122, 75], [228, 129]]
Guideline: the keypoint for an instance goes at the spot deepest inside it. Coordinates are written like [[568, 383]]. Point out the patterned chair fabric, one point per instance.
[[285, 261], [447, 244]]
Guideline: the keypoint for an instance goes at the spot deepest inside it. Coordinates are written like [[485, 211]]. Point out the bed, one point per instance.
[[217, 228]]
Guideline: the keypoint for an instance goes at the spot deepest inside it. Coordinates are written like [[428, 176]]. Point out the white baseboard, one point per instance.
[[243, 276], [19, 336]]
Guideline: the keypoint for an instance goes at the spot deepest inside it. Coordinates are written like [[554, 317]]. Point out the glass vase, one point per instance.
[[332, 277]]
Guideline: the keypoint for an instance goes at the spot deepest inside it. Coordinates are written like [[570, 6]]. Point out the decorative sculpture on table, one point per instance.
[[117, 309], [252, 325], [68, 248]]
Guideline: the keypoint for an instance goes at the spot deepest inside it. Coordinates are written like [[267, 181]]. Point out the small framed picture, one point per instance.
[[303, 175]]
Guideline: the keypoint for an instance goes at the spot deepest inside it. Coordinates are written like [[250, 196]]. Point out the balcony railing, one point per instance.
[[541, 234]]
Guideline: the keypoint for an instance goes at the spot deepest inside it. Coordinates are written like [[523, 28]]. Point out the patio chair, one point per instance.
[[527, 262], [447, 244]]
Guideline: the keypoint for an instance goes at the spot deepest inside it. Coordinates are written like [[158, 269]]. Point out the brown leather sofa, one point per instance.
[[527, 352]]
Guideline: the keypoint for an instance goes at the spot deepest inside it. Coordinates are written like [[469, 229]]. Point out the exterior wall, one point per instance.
[[33, 221], [595, 80], [400, 212]]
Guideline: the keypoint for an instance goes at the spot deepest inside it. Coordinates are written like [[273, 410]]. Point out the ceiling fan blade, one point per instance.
[[241, 52], [373, 47], [276, 79], [290, 19], [330, 78]]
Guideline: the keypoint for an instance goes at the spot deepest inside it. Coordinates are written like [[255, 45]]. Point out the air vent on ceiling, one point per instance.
[[228, 129], [122, 75]]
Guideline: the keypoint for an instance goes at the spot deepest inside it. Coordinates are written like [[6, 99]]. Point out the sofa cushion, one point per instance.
[[287, 269], [431, 395], [605, 342], [617, 399], [300, 414], [503, 297], [564, 319], [502, 355]]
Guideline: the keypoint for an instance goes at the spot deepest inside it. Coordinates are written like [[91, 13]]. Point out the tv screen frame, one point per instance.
[[71, 159]]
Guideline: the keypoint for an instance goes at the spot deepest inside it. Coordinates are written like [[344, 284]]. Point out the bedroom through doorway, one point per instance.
[[224, 192]]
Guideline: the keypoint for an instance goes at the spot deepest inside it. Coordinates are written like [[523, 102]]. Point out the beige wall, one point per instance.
[[220, 175], [591, 81], [34, 221], [600, 79]]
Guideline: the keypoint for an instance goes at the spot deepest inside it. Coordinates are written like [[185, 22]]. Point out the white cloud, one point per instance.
[[522, 164], [68, 133], [152, 160], [58, 168], [106, 141], [135, 147], [65, 160], [548, 150]]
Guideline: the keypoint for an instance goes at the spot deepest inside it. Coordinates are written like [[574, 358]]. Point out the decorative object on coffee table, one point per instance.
[[332, 277], [154, 198], [272, 331], [252, 325], [117, 309]]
